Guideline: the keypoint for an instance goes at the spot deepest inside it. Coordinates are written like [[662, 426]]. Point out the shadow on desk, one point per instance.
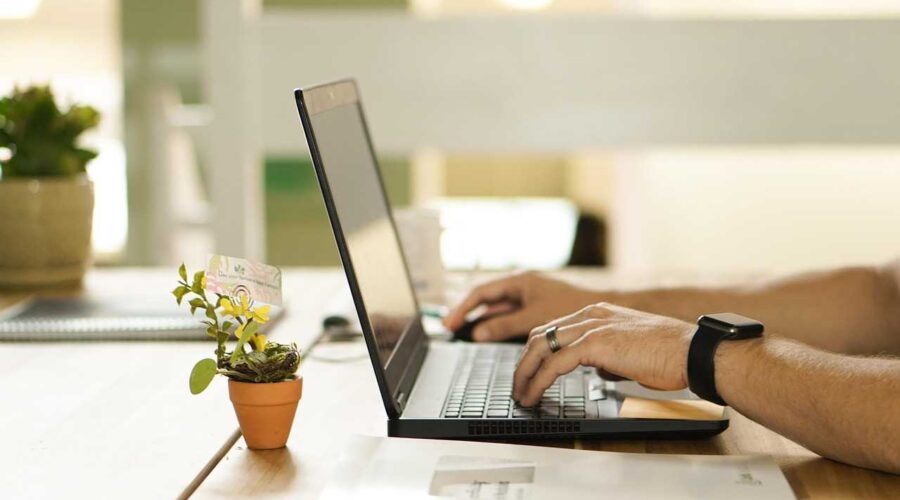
[[837, 480]]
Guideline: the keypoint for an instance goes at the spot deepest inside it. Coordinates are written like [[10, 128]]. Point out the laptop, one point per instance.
[[435, 389]]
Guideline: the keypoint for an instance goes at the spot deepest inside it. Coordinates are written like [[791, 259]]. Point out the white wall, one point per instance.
[[742, 133], [566, 82], [755, 209]]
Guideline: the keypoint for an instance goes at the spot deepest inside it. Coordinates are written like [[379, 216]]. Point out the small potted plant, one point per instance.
[[263, 382], [46, 199]]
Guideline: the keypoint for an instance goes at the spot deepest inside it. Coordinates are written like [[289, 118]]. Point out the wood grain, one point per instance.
[[116, 419]]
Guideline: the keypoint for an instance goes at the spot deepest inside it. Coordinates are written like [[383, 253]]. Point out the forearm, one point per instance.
[[841, 407], [854, 310]]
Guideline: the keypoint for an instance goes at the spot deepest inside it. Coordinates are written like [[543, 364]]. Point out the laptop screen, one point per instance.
[[361, 211]]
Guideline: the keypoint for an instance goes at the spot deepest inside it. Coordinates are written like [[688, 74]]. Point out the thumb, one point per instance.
[[506, 326]]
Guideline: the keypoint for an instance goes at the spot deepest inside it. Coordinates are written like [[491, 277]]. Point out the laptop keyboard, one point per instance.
[[482, 388]]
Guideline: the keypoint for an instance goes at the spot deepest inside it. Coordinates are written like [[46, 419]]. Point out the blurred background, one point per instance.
[[644, 135]]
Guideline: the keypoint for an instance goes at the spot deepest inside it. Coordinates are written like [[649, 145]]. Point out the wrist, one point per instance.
[[683, 350], [733, 361], [712, 331]]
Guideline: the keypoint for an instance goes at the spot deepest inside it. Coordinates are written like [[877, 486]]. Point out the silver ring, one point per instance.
[[552, 340]]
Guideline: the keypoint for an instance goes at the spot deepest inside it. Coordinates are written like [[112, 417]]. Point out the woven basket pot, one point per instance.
[[45, 231]]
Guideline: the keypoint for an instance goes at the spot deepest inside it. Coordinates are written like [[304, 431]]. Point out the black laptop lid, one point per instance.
[[363, 227]]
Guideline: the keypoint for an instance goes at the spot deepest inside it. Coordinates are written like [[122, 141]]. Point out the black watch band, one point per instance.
[[701, 363]]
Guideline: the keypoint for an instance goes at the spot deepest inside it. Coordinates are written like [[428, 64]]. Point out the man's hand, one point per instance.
[[649, 349], [517, 304]]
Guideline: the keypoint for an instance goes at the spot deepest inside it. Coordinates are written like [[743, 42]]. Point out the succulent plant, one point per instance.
[[42, 139]]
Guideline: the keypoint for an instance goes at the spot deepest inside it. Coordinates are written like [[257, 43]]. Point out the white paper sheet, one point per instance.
[[373, 467]]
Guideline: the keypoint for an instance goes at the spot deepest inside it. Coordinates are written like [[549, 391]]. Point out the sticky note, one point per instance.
[[682, 409]]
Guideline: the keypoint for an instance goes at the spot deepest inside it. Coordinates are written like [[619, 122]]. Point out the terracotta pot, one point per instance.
[[45, 230], [265, 411]]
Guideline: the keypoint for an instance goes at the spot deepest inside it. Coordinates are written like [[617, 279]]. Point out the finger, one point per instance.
[[538, 349], [567, 359], [505, 326], [498, 308], [594, 311], [488, 293]]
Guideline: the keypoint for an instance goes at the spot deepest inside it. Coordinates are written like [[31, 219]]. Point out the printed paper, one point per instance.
[[235, 277]]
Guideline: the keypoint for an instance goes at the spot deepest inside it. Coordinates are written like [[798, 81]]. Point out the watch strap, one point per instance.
[[701, 364]]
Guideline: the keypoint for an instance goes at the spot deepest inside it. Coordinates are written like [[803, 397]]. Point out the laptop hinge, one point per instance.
[[408, 379]]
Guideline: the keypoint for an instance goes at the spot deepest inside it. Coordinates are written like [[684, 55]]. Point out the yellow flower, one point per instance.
[[230, 308], [260, 314], [259, 342], [239, 331], [242, 309]]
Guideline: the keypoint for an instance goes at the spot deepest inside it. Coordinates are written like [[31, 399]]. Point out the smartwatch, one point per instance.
[[712, 329]]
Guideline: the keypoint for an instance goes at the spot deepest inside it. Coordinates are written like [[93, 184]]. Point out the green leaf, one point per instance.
[[226, 325], [202, 375], [211, 313], [179, 293], [42, 136], [182, 271], [196, 304], [197, 285], [212, 331], [248, 332]]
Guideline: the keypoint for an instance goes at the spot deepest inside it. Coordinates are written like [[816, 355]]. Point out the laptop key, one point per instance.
[[573, 387], [549, 412], [497, 413]]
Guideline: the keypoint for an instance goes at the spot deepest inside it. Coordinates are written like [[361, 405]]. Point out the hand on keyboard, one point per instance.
[[647, 348]]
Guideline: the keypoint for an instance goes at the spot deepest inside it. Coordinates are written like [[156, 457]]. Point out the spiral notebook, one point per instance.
[[87, 319]]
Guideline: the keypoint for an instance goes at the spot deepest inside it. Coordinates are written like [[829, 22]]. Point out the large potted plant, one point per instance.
[[263, 382], [46, 199]]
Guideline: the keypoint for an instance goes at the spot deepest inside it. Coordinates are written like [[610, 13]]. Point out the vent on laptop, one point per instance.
[[506, 427]]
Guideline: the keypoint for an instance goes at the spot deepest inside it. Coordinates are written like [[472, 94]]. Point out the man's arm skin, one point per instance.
[[851, 310], [840, 406]]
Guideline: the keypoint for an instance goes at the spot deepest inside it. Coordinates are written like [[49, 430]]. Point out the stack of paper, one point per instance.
[[396, 468]]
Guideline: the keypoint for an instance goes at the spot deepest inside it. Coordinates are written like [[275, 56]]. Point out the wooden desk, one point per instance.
[[116, 420]]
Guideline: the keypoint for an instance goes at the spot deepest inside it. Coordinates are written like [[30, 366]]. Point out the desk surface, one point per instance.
[[116, 419]]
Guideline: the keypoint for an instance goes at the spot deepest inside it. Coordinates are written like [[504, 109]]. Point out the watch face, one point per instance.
[[731, 322]]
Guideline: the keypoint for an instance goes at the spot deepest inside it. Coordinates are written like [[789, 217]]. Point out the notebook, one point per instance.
[[85, 318]]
